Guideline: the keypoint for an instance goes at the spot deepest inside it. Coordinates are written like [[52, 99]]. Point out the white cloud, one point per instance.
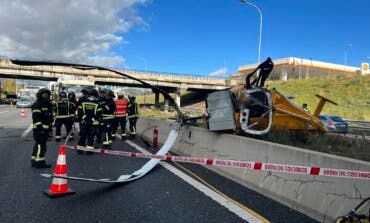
[[79, 31], [218, 73]]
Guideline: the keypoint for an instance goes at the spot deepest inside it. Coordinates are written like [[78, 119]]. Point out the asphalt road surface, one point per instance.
[[169, 193]]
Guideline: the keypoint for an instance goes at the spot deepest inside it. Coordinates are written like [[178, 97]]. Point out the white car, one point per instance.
[[24, 103]]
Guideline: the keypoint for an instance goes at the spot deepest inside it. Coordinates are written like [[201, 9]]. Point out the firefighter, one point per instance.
[[90, 113], [108, 110], [64, 115], [72, 99], [133, 115], [42, 114], [121, 114], [83, 98], [99, 131], [52, 104]]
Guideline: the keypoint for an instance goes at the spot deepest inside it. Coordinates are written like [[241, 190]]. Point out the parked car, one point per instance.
[[334, 123], [24, 103]]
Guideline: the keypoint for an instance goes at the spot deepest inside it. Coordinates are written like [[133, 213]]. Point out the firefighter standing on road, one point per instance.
[[42, 114], [73, 100], [90, 113], [121, 114], [64, 115], [108, 108], [100, 128], [83, 98], [52, 103], [133, 115]]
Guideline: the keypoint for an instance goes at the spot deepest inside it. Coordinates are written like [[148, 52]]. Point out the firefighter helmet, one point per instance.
[[62, 94], [93, 93], [42, 90]]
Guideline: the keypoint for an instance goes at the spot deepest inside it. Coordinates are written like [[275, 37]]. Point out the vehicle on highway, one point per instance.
[[24, 103], [334, 123]]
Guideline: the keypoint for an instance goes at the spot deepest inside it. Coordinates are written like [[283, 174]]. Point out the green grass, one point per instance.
[[156, 113], [351, 94]]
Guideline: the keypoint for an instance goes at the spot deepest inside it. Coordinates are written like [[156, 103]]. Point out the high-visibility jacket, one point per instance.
[[90, 111], [121, 107], [108, 109], [42, 114], [133, 111], [65, 109]]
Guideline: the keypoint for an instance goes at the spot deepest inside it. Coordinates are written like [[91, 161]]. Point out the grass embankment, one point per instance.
[[351, 94]]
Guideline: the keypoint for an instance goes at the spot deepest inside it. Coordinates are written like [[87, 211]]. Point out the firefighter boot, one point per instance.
[[42, 164]]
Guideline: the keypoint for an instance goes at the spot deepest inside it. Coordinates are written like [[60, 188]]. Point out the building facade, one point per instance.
[[298, 68]]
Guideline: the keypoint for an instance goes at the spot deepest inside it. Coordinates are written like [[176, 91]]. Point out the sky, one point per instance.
[[197, 37]]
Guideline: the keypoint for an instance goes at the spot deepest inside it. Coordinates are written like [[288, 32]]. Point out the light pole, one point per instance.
[[345, 53], [144, 60], [260, 34]]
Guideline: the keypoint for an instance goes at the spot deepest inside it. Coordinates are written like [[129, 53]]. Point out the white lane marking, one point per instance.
[[28, 130], [201, 187], [3, 111]]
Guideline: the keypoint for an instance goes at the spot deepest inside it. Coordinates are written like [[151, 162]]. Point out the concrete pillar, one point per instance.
[[165, 108], [284, 74], [156, 99], [178, 99], [180, 90]]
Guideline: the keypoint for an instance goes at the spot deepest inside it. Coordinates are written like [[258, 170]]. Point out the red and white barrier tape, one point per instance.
[[316, 171]]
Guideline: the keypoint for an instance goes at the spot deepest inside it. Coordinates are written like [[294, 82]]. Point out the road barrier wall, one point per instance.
[[323, 198]]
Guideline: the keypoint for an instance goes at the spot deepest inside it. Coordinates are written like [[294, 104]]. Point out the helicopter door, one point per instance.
[[255, 111]]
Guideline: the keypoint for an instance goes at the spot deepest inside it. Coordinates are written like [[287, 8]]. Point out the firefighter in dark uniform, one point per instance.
[[72, 99], [42, 116], [90, 113], [133, 115], [108, 110], [120, 118], [64, 115], [83, 98], [52, 102], [99, 131]]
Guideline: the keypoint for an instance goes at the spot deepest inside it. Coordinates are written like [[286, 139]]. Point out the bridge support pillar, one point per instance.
[[166, 102], [180, 90], [178, 99], [156, 99]]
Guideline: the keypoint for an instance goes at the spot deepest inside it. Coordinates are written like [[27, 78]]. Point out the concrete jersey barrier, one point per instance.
[[322, 198]]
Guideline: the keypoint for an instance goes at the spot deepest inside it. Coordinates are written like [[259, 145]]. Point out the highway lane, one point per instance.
[[161, 196]]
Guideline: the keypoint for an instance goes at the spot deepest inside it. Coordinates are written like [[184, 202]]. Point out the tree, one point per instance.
[[8, 86]]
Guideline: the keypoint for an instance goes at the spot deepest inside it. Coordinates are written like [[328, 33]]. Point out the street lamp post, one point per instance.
[[260, 33], [345, 53]]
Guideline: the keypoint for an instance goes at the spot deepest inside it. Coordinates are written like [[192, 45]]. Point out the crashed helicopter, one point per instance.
[[251, 108]]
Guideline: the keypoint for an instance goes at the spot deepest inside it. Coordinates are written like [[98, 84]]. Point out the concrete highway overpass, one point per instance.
[[168, 82]]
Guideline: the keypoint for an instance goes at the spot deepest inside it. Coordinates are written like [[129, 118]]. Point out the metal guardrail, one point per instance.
[[362, 126]]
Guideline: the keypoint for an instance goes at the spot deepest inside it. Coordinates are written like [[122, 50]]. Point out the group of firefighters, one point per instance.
[[99, 115]]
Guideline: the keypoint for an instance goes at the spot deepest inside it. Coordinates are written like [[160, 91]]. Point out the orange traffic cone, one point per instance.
[[59, 186], [23, 113]]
